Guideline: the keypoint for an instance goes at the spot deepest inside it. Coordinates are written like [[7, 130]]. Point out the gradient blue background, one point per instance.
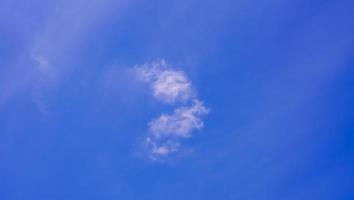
[[277, 75]]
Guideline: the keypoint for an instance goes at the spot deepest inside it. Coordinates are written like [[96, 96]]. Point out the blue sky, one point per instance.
[[127, 99]]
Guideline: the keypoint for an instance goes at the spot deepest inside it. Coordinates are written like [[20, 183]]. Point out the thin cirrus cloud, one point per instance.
[[169, 86], [47, 50]]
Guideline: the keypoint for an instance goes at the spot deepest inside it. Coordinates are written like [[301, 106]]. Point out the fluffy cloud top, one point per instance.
[[168, 85]]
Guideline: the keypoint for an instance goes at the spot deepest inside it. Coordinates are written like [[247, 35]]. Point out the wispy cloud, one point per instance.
[[158, 150], [181, 123], [49, 53], [168, 85]]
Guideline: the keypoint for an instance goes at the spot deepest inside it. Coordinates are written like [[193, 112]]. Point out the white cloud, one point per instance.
[[181, 123], [168, 85], [166, 132], [157, 150]]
